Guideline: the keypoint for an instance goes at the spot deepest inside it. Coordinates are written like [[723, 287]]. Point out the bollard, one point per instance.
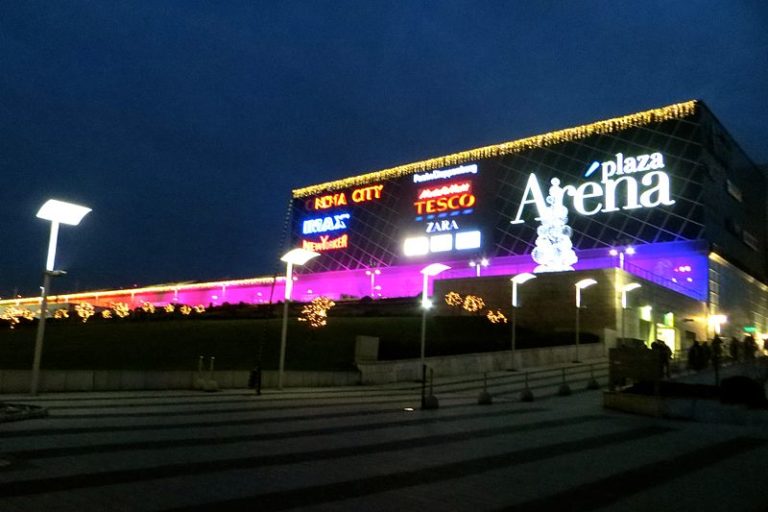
[[431, 401], [209, 383], [564, 389], [526, 395], [592, 384], [485, 397], [199, 382]]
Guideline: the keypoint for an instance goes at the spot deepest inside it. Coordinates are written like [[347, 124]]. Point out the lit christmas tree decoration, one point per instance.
[[453, 299], [316, 312], [121, 309], [554, 250], [85, 310], [496, 317], [14, 315], [472, 303]]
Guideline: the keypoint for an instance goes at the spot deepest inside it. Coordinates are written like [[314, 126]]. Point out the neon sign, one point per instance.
[[449, 189], [324, 224], [445, 203], [359, 195], [448, 173], [326, 243], [442, 225], [589, 198]]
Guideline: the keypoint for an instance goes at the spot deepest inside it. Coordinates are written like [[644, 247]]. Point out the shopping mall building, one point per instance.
[[664, 199]]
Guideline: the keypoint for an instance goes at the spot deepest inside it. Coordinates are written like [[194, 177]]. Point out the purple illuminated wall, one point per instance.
[[680, 266]]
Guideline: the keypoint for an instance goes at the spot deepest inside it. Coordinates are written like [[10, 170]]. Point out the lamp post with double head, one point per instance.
[[291, 258], [372, 273], [477, 264], [518, 280], [57, 212], [621, 252]]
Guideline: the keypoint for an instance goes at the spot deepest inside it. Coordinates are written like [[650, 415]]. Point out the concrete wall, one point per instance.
[[547, 303], [383, 372], [18, 381]]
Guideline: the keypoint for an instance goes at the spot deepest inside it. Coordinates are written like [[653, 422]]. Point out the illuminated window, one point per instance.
[[417, 246], [468, 240], [441, 243]]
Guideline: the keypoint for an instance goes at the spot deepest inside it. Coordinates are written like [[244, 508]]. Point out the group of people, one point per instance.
[[702, 354]]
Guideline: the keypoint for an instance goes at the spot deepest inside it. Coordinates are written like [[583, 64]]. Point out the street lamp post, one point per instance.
[[291, 258], [372, 273], [625, 289], [58, 212], [477, 264], [580, 285], [427, 272], [621, 252], [516, 281]]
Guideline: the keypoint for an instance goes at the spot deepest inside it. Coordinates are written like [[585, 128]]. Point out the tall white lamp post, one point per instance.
[[624, 291], [58, 212], [580, 285], [291, 258], [518, 280], [427, 272]]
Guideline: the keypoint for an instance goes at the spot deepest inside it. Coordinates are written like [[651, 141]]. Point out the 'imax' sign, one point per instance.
[[627, 183]]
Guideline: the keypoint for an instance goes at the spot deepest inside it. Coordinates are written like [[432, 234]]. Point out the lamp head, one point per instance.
[[298, 256], [523, 278], [585, 283], [62, 212], [434, 269]]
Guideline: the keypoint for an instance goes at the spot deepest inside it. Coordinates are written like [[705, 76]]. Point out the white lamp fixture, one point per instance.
[[518, 280], [428, 271], [621, 252], [57, 212], [625, 289], [580, 285], [477, 264], [372, 273], [291, 258]]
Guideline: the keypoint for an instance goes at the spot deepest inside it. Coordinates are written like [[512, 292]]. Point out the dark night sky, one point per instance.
[[185, 125]]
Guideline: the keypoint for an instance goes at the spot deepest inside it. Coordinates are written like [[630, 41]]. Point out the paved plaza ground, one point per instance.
[[363, 448]]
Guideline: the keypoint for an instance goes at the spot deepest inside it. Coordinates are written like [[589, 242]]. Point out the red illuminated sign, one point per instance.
[[461, 187], [442, 204], [326, 243]]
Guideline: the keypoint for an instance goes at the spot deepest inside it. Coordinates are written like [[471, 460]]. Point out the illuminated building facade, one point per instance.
[[669, 186], [669, 183]]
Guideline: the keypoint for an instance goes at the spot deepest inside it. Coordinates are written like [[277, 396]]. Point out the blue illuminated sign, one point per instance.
[[325, 224]]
